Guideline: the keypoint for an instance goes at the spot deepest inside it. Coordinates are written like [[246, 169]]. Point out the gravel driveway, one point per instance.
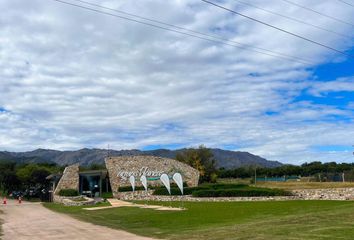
[[32, 221]]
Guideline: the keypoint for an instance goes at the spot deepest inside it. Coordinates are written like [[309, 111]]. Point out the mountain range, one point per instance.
[[224, 158]]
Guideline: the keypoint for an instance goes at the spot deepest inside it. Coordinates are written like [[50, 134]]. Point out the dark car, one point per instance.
[[16, 194], [32, 193]]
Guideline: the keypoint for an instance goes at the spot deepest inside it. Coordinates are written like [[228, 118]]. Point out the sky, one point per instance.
[[72, 78]]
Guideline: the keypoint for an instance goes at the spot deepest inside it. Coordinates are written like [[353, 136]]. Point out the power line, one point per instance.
[[278, 55], [277, 28], [295, 19], [193, 31], [350, 4], [319, 13]]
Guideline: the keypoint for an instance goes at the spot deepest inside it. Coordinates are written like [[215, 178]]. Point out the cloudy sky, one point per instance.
[[72, 77]]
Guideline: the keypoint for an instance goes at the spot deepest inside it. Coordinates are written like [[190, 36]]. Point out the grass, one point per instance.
[[290, 185], [305, 185], [276, 220]]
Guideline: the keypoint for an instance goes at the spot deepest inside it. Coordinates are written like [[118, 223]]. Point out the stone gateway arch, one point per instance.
[[118, 170], [121, 168]]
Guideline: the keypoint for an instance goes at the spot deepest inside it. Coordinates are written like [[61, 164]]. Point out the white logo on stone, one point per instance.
[[143, 171]]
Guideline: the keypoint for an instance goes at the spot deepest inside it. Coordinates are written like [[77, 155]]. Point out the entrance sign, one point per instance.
[[177, 177], [121, 168], [132, 182], [143, 181], [142, 171], [166, 181]]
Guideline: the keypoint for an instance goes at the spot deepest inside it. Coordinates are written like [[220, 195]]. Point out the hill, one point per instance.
[[225, 158]]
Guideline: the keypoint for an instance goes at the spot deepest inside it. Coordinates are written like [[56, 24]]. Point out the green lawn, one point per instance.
[[233, 220], [289, 185], [305, 185]]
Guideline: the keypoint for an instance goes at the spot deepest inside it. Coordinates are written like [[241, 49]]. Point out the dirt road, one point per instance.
[[32, 221]]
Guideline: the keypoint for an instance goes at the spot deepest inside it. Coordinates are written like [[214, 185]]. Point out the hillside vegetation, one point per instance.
[[224, 158]]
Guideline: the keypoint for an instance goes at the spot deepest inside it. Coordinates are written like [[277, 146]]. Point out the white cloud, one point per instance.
[[71, 78], [339, 85]]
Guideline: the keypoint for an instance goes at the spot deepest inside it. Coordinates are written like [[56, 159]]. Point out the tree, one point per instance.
[[8, 178], [201, 159], [33, 175]]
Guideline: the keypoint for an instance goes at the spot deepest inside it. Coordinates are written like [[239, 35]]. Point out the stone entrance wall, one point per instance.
[[120, 168], [69, 180]]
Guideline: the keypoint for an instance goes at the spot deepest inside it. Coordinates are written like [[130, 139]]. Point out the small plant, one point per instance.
[[68, 192]]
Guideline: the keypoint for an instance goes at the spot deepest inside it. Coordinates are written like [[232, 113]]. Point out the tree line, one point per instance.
[[20, 176], [16, 176], [312, 169]]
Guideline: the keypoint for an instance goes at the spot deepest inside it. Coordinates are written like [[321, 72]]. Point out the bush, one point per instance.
[[141, 188], [106, 195], [190, 190], [243, 192], [222, 186], [68, 193], [174, 191], [129, 188]]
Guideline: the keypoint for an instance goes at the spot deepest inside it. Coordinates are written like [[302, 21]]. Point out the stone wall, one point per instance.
[[137, 196], [342, 194], [73, 201], [69, 180], [325, 194], [120, 168]]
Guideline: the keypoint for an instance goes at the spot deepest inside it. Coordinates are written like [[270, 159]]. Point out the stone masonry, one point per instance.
[[120, 168], [325, 194], [339, 194], [70, 179]]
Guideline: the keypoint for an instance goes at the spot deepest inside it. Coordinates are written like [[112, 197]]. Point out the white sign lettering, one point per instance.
[[143, 171]]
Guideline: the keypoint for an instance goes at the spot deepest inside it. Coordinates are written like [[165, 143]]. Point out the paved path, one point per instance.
[[32, 221]]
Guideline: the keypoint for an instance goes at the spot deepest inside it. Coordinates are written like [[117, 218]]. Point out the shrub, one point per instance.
[[243, 192], [129, 188], [174, 191], [190, 190], [141, 188], [68, 192], [222, 186], [107, 195]]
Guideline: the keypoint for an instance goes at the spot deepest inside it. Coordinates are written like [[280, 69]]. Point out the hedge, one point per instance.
[[247, 192], [222, 186], [174, 191], [68, 192], [129, 188], [141, 188], [190, 190]]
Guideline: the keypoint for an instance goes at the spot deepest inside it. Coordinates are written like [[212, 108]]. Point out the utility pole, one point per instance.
[[108, 151]]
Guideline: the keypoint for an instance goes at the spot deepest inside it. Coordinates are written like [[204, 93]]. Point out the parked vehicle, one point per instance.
[[32, 192], [16, 194]]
